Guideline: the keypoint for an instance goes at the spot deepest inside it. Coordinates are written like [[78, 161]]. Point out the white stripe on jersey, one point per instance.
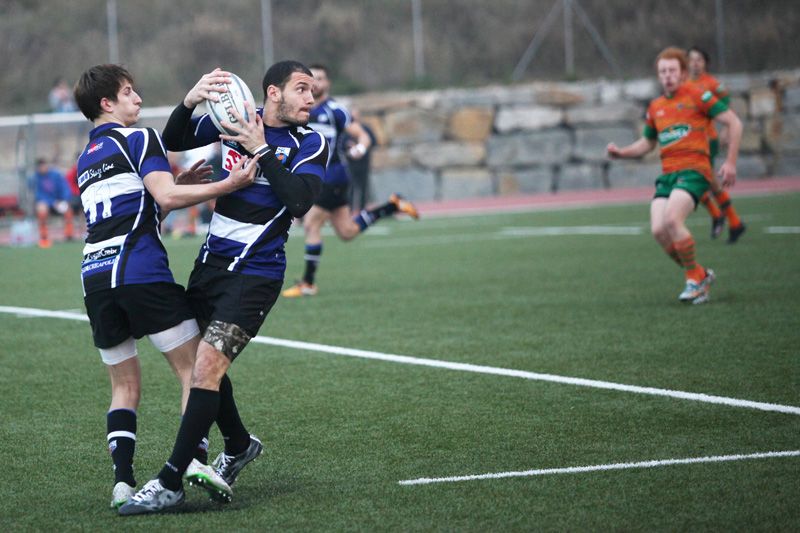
[[122, 249], [249, 244], [121, 149], [315, 154], [227, 228], [328, 130], [120, 184]]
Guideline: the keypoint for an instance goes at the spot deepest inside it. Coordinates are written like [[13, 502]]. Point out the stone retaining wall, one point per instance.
[[537, 137]]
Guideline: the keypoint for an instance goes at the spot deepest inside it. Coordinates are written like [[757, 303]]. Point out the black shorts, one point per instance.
[[333, 195], [135, 311], [231, 297]]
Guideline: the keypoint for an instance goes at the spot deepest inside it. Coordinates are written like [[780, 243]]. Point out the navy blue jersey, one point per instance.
[[330, 119], [123, 245], [250, 226]]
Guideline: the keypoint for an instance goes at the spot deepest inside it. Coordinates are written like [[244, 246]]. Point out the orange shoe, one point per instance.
[[300, 289], [45, 243], [404, 206]]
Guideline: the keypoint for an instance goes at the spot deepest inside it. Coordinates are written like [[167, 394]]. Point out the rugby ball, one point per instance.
[[237, 94]]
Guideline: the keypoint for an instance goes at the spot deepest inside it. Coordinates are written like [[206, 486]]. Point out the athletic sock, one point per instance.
[[121, 438], [235, 435], [724, 201], [673, 253], [365, 218], [69, 226], [201, 452], [42, 218], [312, 257], [201, 410], [692, 269], [713, 210]]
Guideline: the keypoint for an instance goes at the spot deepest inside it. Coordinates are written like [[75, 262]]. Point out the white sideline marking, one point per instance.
[[782, 229], [508, 233], [466, 367], [596, 468]]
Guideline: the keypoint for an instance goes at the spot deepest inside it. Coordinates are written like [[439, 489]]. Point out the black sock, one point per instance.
[[201, 452], [366, 218], [235, 435], [121, 437], [312, 256], [201, 410]]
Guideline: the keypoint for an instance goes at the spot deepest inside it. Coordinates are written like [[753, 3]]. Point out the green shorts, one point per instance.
[[690, 181]]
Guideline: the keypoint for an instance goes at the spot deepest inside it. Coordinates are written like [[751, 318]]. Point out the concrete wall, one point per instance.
[[502, 140]]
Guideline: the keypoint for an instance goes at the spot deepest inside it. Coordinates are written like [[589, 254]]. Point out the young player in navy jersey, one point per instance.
[[126, 187], [334, 121], [239, 271]]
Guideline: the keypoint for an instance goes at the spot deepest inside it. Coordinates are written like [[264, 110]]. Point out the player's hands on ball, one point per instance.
[[250, 133], [197, 173], [243, 173], [206, 86]]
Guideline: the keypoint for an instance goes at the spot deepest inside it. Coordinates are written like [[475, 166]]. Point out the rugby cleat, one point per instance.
[[717, 225], [199, 475], [705, 288], [735, 233], [300, 289], [229, 466], [404, 206], [153, 498], [121, 494]]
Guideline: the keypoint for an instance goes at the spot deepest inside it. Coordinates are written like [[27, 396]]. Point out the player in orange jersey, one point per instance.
[[698, 63], [677, 122]]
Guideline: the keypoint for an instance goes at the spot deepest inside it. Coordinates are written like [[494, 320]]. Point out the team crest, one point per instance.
[[706, 96], [282, 153]]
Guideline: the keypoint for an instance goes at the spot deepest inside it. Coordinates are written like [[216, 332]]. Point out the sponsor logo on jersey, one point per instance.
[[111, 251], [673, 134], [706, 96], [282, 153], [91, 173], [95, 147]]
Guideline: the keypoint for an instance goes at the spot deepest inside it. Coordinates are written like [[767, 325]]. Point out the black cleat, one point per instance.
[[735, 233], [717, 225]]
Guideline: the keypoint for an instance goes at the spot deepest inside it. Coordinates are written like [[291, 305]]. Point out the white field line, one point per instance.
[[782, 230], [466, 367], [597, 468]]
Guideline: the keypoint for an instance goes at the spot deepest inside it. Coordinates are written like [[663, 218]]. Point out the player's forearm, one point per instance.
[[636, 149], [296, 191], [178, 135], [734, 139]]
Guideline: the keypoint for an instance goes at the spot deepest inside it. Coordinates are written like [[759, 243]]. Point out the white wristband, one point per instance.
[[263, 150]]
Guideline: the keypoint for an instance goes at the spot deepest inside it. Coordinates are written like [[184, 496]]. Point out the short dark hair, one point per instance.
[[100, 81], [279, 73], [706, 57], [40, 161]]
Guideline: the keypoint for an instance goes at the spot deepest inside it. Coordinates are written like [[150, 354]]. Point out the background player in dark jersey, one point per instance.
[[334, 121], [125, 186], [239, 272], [698, 75]]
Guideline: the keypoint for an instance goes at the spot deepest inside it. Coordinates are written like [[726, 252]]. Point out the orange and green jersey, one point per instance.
[[707, 82], [679, 123]]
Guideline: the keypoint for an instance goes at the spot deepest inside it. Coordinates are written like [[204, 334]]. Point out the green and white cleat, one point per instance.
[[152, 498], [121, 494], [200, 475]]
